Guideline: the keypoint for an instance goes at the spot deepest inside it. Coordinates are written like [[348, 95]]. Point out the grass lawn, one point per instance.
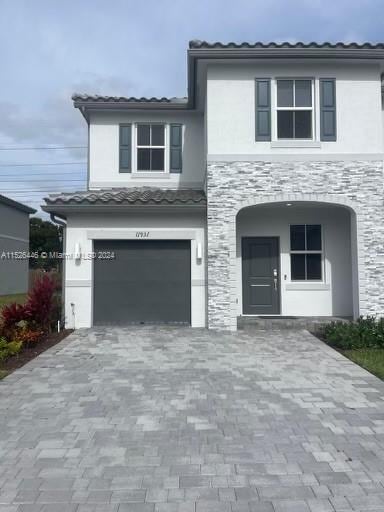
[[8, 299], [372, 359], [3, 373]]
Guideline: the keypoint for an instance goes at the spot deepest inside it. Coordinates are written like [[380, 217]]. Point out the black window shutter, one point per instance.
[[125, 148], [175, 150], [327, 109], [263, 109]]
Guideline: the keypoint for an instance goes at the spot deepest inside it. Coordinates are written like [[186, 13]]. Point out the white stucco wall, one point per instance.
[[82, 229], [331, 297], [104, 150], [231, 108]]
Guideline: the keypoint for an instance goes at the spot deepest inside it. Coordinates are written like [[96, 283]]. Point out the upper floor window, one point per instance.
[[294, 108], [290, 115], [150, 147]]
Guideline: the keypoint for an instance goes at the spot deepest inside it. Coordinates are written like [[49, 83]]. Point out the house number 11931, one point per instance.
[[142, 234]]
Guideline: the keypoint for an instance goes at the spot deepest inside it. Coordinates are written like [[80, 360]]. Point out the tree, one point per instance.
[[45, 237]]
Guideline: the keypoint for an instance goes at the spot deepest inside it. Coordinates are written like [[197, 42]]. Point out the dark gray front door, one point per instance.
[[260, 259], [148, 281]]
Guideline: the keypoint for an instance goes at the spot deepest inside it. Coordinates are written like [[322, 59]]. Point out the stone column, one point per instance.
[[221, 246]]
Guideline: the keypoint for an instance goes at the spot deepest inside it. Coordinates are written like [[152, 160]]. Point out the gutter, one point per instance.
[[196, 54], [84, 105], [59, 210], [291, 53], [52, 216]]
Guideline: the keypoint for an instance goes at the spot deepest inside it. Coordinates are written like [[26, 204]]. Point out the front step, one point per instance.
[[311, 323]]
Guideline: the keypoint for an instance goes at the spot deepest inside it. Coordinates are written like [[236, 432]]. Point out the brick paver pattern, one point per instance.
[[151, 419]]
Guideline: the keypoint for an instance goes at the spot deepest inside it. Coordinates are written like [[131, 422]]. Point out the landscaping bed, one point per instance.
[[27, 353], [361, 341], [30, 327]]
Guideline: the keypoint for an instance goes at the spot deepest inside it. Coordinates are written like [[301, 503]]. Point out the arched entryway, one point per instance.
[[293, 257]]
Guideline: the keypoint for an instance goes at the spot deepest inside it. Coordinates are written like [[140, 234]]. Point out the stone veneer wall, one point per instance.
[[232, 186]]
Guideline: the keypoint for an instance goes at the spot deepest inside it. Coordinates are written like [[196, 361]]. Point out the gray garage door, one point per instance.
[[146, 282]]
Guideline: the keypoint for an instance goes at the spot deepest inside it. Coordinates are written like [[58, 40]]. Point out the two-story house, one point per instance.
[[261, 193]]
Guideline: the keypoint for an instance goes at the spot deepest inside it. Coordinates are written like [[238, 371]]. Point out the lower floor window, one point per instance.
[[306, 267], [306, 252]]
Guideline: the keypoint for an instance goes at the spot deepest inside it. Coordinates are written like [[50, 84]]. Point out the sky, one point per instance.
[[50, 49]]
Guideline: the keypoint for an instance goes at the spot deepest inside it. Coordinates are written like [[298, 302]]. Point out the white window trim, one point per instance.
[[321, 252], [295, 142], [147, 173]]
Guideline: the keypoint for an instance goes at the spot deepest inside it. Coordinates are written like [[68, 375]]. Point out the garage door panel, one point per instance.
[[148, 281]]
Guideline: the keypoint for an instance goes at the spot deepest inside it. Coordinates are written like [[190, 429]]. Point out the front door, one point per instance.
[[261, 283]]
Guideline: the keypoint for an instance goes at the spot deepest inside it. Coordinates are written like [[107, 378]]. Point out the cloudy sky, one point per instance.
[[52, 48]]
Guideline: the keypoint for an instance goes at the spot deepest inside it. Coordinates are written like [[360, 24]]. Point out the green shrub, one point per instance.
[[8, 349], [366, 332]]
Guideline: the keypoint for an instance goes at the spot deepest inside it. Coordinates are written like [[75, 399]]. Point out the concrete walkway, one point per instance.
[[181, 420]]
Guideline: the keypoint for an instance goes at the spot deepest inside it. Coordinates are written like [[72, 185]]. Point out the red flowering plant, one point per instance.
[[40, 304], [28, 322], [12, 314]]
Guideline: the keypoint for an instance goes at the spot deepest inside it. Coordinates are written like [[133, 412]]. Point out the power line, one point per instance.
[[34, 148], [27, 191], [43, 180], [47, 179], [31, 179], [39, 177], [43, 164], [52, 190], [53, 173]]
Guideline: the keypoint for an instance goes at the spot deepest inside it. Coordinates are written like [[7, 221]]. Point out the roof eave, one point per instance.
[[85, 106], [18, 206], [195, 54], [267, 53], [62, 209]]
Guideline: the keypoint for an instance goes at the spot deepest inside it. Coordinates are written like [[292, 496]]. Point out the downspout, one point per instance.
[[57, 221], [63, 224], [382, 84]]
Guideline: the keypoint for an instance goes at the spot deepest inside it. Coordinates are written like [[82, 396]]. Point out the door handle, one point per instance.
[[275, 278]]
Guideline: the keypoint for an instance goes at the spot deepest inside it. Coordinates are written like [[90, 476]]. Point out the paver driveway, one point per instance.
[[171, 419]]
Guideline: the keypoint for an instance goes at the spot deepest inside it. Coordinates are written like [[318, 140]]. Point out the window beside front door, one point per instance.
[[306, 252], [150, 147], [294, 109]]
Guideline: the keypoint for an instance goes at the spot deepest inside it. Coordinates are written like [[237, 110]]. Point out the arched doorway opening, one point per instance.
[[296, 258]]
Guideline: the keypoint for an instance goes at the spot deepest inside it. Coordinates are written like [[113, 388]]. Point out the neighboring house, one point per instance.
[[14, 241], [259, 194]]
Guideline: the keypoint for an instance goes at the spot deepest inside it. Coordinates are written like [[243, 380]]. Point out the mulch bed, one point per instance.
[[28, 353]]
